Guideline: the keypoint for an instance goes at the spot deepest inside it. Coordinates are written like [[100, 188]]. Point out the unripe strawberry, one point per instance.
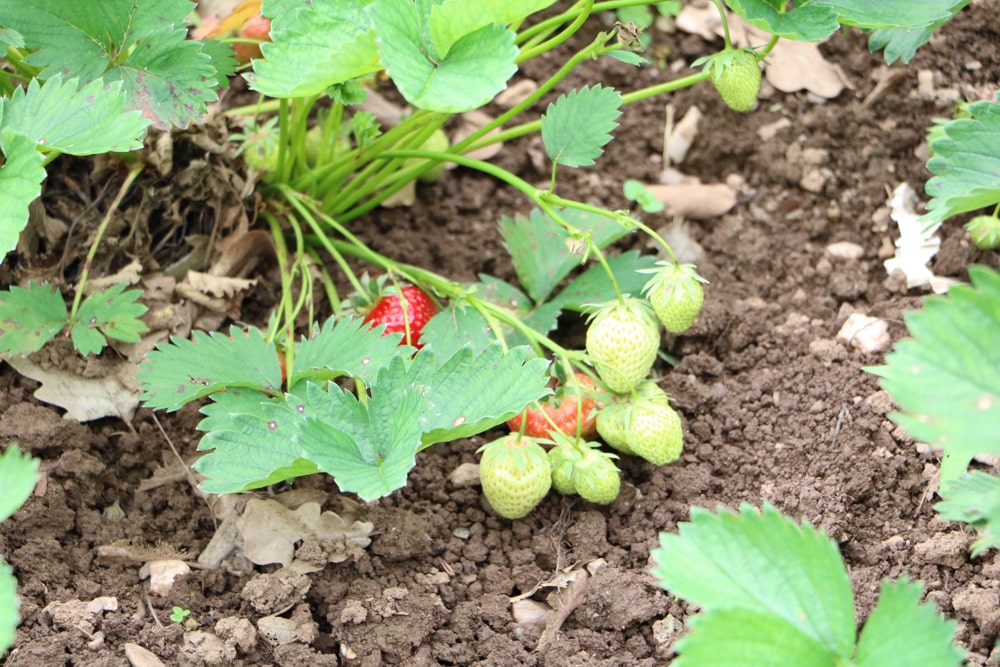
[[562, 459], [736, 75], [515, 474], [655, 432], [622, 341], [612, 425], [596, 477], [984, 231], [676, 295]]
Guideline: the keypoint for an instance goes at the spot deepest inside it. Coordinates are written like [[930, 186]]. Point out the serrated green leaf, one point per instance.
[[223, 60], [83, 121], [251, 440], [900, 632], [912, 14], [974, 498], [471, 392], [18, 476], [898, 43], [543, 318], [9, 604], [10, 37], [965, 164], [944, 377], [30, 317], [576, 126], [345, 346], [628, 57], [764, 563], [540, 248], [20, 184], [142, 44], [747, 638], [476, 67], [114, 314], [808, 23], [454, 328], [180, 371], [451, 20], [593, 285], [302, 59]]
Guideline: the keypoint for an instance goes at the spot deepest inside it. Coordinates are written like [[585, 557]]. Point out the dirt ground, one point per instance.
[[776, 410]]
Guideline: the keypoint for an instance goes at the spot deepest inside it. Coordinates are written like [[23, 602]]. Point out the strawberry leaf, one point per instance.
[[455, 327], [475, 68], [112, 314], [943, 378], [576, 126], [763, 563], [808, 22], [80, 121], [902, 43], [30, 317], [974, 498], [965, 164], [301, 59], [182, 370], [909, 14], [540, 249], [20, 184], [18, 475], [344, 347], [593, 285], [451, 20], [143, 45], [9, 604], [902, 632], [774, 592]]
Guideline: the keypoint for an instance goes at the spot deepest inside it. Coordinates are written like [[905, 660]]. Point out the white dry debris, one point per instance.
[[162, 574], [868, 334], [845, 250], [917, 243]]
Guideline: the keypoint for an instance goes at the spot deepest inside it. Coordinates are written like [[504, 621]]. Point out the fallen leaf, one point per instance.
[[84, 399], [695, 201]]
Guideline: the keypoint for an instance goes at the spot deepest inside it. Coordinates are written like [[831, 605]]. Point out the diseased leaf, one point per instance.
[[182, 370], [344, 347], [901, 632], [944, 376], [20, 184], [113, 313], [576, 126], [974, 498], [30, 317], [965, 164]]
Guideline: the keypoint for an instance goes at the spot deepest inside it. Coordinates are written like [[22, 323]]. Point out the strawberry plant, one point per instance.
[[18, 475], [775, 592]]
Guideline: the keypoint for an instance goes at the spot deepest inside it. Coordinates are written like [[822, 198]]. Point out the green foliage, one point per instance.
[[18, 476], [965, 163], [944, 376], [902, 43], [367, 441], [576, 126], [637, 192], [179, 614], [974, 498], [773, 592], [32, 316]]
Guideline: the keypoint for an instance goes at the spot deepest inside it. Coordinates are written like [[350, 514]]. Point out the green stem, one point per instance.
[[771, 43], [725, 23], [531, 51], [101, 229]]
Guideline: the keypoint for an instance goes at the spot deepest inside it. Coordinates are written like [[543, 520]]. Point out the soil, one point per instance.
[[775, 408]]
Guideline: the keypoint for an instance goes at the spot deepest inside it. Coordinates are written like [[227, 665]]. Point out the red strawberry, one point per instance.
[[406, 316], [569, 407], [258, 28]]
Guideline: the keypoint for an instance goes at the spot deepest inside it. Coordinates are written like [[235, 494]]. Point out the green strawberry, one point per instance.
[[736, 75], [676, 295], [612, 425], [622, 341], [562, 459], [655, 432], [596, 477], [985, 231], [515, 474]]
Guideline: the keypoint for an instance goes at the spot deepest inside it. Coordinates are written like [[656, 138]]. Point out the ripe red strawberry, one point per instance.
[[515, 474], [407, 316], [736, 75], [571, 409], [622, 341], [676, 295], [256, 27]]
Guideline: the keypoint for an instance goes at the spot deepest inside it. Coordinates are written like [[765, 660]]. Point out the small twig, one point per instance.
[[149, 605]]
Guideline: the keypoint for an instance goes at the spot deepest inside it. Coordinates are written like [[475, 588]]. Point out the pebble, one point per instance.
[[868, 334], [845, 250]]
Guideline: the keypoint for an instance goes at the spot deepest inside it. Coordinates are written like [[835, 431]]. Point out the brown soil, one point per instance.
[[775, 409]]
